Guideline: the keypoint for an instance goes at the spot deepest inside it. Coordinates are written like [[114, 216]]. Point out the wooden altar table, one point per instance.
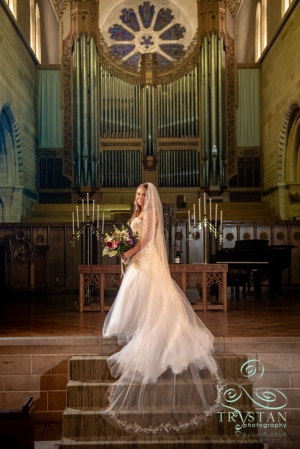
[[203, 276]]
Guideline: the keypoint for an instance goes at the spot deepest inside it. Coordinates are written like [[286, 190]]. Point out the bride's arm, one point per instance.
[[147, 235], [131, 252]]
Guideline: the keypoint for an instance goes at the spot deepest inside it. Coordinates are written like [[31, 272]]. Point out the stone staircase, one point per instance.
[[85, 428]]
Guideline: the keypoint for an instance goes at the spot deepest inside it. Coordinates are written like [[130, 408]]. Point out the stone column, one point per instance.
[[6, 198]]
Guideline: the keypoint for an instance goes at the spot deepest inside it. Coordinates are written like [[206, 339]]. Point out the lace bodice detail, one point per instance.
[[137, 226]]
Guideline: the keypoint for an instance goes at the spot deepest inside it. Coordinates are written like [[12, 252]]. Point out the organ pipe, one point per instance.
[[94, 110], [77, 139], [212, 83], [84, 117], [221, 108]]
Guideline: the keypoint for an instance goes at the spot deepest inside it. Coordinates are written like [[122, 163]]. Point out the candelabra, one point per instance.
[[86, 230], [211, 236]]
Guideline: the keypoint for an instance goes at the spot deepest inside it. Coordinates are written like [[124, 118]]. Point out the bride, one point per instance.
[[168, 380]]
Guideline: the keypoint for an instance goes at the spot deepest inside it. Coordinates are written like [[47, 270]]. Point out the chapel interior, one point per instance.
[[201, 98]]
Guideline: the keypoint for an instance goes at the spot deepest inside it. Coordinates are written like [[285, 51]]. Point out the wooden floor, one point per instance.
[[58, 316]]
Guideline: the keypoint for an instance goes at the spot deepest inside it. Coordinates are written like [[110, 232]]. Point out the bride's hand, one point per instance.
[[126, 256]]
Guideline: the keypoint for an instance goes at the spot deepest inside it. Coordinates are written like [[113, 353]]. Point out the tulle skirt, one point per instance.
[[168, 380]]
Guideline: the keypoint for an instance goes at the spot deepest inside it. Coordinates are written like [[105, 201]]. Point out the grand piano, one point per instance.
[[260, 259]]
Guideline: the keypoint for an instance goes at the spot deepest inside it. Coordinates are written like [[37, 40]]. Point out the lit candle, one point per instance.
[[189, 220], [87, 204], [77, 215], [199, 209], [216, 215], [204, 203], [93, 210], [82, 207], [221, 219], [98, 216], [102, 223], [194, 211], [73, 223], [209, 209]]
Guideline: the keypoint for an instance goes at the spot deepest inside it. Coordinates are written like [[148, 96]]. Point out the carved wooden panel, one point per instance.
[[263, 232], [229, 236], [246, 232], [295, 266], [57, 256]]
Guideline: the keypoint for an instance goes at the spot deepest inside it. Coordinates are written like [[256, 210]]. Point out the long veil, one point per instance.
[[168, 380]]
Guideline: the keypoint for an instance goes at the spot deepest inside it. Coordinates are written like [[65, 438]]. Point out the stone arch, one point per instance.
[[292, 166], [11, 160], [283, 141]]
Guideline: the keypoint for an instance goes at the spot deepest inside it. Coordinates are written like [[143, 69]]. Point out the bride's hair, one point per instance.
[[137, 207]]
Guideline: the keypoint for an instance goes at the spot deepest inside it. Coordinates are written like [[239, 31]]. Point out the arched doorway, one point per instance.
[[11, 162]]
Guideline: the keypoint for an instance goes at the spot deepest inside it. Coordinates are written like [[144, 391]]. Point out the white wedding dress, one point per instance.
[[168, 379]]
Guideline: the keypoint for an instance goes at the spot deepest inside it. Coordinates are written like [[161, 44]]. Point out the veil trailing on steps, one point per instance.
[[168, 380]]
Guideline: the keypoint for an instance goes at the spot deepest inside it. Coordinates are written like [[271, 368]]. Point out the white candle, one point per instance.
[[93, 210], [73, 223], [98, 216], [194, 210], [216, 215], [199, 209], [82, 207], [204, 203], [209, 209], [189, 220], [102, 223], [221, 219], [77, 215], [87, 204]]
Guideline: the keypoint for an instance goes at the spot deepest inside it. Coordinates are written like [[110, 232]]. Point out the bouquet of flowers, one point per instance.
[[118, 241]]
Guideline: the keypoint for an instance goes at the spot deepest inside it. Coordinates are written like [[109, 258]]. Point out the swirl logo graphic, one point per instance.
[[271, 399]]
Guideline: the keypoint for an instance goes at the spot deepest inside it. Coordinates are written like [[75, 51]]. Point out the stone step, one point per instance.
[[91, 394], [91, 423], [95, 369], [170, 442]]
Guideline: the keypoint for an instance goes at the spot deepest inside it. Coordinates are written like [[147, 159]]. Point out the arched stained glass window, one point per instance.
[[258, 32], [35, 29], [264, 30], [32, 25], [284, 6], [12, 6], [37, 33]]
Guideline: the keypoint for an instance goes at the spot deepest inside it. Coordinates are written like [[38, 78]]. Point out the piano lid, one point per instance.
[[251, 245]]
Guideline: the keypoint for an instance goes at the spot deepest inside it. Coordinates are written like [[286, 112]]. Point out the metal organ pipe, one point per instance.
[[205, 118], [221, 108], [77, 143], [93, 109], [195, 116], [84, 118]]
